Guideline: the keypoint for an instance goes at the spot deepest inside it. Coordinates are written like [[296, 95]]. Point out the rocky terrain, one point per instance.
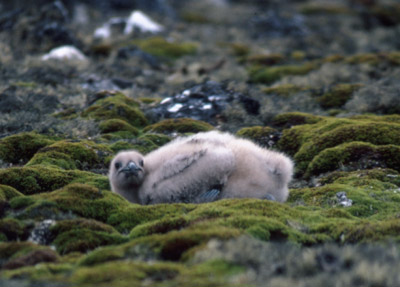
[[315, 79]]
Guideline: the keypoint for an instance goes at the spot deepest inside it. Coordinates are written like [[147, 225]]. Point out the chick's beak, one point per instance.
[[130, 168]]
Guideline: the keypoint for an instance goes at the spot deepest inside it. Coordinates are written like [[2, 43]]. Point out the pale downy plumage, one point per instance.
[[200, 168]]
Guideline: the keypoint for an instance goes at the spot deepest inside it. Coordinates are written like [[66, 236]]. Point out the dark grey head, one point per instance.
[[126, 174]]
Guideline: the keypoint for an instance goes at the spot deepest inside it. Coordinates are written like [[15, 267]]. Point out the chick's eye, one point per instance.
[[117, 165], [141, 162]]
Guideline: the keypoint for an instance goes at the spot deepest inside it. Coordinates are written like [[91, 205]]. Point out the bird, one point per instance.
[[200, 168]]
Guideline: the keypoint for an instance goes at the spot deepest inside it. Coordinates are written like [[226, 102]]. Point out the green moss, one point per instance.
[[240, 49], [157, 139], [268, 75], [7, 192], [21, 147], [284, 90], [125, 273], [160, 47], [22, 84], [11, 250], [338, 95], [72, 155], [358, 155], [183, 125], [258, 134], [116, 106], [84, 200], [268, 60], [121, 145], [379, 133], [295, 118], [194, 17], [13, 229], [40, 178], [115, 125], [83, 240]]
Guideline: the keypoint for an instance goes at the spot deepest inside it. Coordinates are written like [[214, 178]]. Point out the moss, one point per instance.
[[298, 55], [295, 118], [83, 200], [194, 17], [125, 273], [22, 84], [157, 139], [21, 147], [160, 47], [258, 134], [39, 178], [7, 192], [116, 106], [379, 133], [12, 250], [355, 155], [84, 240], [13, 229], [72, 155], [338, 95], [115, 125], [269, 60], [268, 75], [127, 218], [183, 125], [32, 258], [284, 90], [239, 49], [121, 145]]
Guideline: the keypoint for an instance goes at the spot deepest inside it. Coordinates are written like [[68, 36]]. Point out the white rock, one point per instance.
[[141, 21], [175, 108], [103, 32], [64, 53]]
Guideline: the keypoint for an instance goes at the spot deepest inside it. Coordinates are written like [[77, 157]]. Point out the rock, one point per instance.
[[65, 53], [139, 20], [343, 200], [41, 234], [201, 102]]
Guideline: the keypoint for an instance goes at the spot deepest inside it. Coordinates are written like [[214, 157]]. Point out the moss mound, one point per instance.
[[41, 178], [73, 155], [160, 47], [116, 106], [258, 134], [21, 147]]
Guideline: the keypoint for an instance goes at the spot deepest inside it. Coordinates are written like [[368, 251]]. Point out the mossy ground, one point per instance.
[[356, 155], [53, 166]]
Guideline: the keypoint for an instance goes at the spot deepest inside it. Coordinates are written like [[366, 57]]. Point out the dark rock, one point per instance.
[[274, 24], [251, 105], [201, 102], [41, 234], [135, 52]]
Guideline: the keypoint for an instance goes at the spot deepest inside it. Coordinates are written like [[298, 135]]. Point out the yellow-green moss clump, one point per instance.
[[8, 192], [82, 235], [338, 95], [288, 120], [21, 147], [116, 106], [284, 90], [72, 155], [183, 125], [160, 47], [116, 125], [267, 60], [12, 229], [41, 178], [268, 75], [258, 134], [306, 141]]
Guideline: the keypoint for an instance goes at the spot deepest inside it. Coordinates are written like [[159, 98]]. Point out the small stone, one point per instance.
[[64, 53], [343, 200], [41, 234], [141, 21]]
